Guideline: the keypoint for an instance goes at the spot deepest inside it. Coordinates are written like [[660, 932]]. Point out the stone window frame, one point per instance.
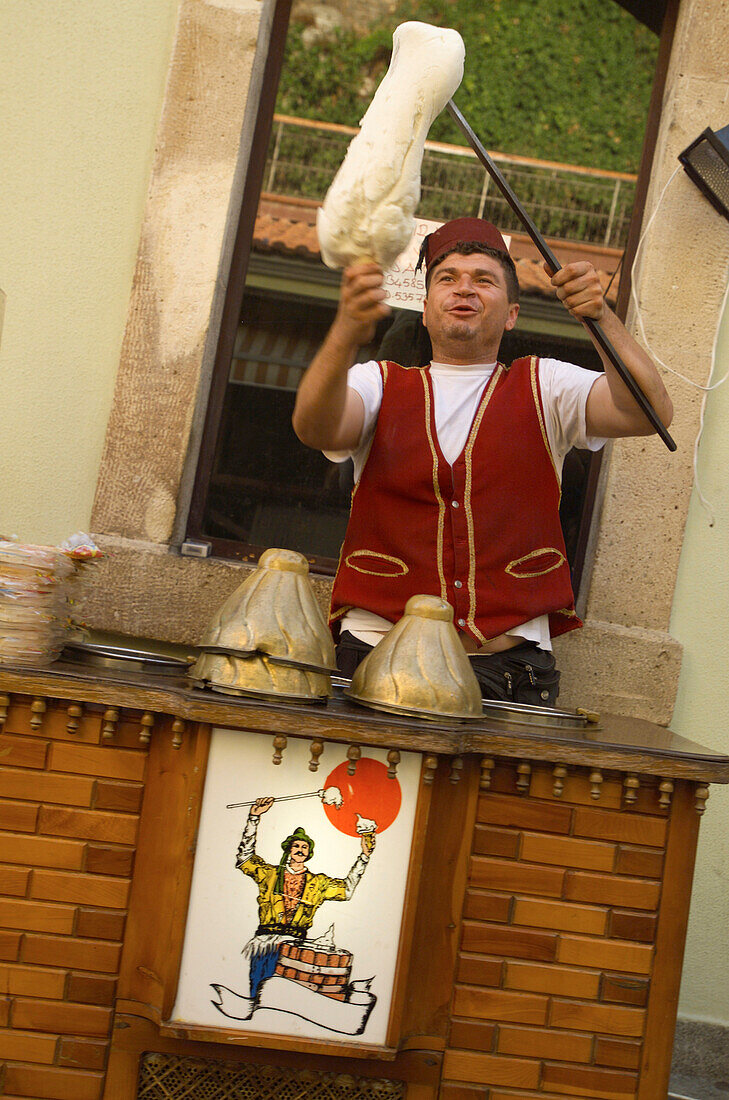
[[624, 660]]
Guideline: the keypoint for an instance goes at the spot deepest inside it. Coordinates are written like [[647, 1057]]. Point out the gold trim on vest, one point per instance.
[[491, 386], [404, 569], [334, 615], [436, 489], [513, 570], [540, 418], [383, 369]]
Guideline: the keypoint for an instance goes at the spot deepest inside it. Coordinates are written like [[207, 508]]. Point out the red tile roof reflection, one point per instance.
[[286, 227]]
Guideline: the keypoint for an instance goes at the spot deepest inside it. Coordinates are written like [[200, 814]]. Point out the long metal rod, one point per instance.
[[592, 327], [282, 798]]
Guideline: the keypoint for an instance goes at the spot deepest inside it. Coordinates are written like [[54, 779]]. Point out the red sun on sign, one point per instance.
[[368, 793]]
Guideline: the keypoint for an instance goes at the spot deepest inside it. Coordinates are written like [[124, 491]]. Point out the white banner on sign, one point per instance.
[[348, 1017], [406, 289]]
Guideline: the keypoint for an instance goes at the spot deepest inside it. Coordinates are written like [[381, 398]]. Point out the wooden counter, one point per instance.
[[542, 937]]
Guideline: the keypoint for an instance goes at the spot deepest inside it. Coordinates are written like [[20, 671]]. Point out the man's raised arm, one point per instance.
[[328, 415], [611, 411]]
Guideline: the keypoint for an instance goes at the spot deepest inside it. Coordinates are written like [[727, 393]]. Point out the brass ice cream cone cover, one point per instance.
[[272, 617], [420, 666]]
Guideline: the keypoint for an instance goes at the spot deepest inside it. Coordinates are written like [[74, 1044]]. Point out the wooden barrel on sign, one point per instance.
[[323, 971]]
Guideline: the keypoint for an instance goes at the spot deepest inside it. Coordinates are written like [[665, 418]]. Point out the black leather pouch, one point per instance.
[[524, 674]]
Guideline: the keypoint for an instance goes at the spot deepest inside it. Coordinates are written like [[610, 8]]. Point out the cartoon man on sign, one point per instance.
[[290, 970], [289, 894]]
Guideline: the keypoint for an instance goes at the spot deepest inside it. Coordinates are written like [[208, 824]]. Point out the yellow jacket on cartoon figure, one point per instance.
[[317, 889]]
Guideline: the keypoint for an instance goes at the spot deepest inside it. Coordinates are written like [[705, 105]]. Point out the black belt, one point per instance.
[[281, 930]]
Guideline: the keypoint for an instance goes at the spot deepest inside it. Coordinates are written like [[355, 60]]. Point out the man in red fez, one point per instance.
[[458, 464]]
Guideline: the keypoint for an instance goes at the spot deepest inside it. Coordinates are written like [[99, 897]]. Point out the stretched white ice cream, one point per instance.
[[368, 210]]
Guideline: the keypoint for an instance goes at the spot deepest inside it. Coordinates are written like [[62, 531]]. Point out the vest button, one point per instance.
[[458, 584], [461, 622], [455, 504]]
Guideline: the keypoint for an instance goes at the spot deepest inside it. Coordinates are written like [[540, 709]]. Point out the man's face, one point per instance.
[[299, 852], [467, 309]]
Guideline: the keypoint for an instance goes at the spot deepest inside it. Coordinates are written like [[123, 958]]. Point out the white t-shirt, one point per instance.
[[456, 391]]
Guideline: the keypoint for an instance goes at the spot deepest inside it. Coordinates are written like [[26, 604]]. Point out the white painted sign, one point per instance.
[[298, 889], [406, 289]]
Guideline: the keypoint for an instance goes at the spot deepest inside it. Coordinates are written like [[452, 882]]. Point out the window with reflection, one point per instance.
[[257, 485]]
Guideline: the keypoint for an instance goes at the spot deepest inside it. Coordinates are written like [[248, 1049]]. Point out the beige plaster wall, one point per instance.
[[679, 287], [685, 279], [700, 615], [81, 88], [648, 489], [182, 265]]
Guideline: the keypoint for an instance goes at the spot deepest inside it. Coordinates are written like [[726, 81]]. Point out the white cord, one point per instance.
[[702, 499], [697, 385]]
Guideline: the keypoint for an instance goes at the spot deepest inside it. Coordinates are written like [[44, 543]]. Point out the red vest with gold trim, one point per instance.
[[483, 533]]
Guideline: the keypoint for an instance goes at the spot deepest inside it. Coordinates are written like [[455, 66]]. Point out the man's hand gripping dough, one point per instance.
[[328, 415]]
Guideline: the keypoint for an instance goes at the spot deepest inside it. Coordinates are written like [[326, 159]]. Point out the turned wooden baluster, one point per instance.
[[631, 786], [701, 794], [178, 730], [393, 759], [429, 767], [559, 773], [595, 784], [147, 723], [523, 776], [487, 766], [279, 744], [353, 754], [456, 769], [666, 791], [75, 713], [37, 710], [316, 748], [108, 729]]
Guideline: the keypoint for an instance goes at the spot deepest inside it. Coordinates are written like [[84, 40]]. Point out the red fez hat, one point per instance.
[[444, 240]]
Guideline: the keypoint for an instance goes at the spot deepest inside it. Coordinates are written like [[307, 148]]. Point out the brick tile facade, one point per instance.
[[560, 919], [557, 930], [69, 814]]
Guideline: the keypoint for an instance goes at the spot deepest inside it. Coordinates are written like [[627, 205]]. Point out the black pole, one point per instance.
[[592, 327]]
